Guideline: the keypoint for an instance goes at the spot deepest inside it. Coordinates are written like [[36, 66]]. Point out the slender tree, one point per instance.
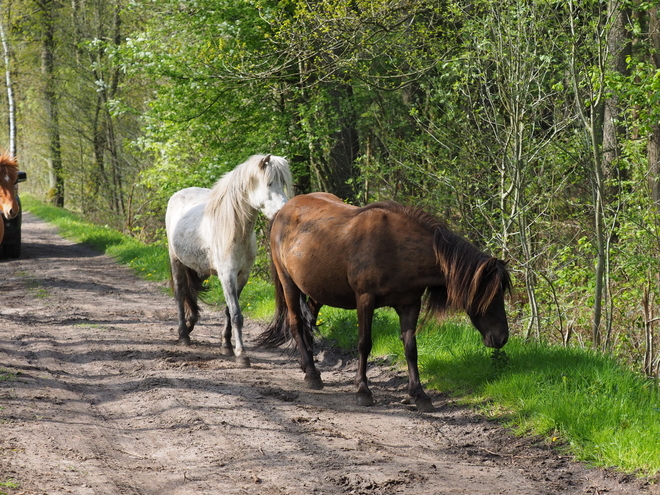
[[11, 107], [653, 149]]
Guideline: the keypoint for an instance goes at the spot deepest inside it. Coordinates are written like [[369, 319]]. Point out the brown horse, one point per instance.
[[383, 254], [8, 177]]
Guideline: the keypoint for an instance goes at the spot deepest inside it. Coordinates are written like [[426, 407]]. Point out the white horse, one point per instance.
[[211, 231]]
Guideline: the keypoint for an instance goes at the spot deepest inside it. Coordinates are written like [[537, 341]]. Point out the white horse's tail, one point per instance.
[[191, 289]]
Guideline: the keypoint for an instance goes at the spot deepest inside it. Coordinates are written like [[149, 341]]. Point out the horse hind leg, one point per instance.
[[365, 310], [310, 309], [408, 319], [301, 316], [179, 283], [226, 348], [187, 284]]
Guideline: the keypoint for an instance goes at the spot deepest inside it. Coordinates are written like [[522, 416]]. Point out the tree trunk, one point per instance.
[[10, 93], [619, 47], [56, 193], [346, 146], [333, 167], [592, 120], [653, 149]]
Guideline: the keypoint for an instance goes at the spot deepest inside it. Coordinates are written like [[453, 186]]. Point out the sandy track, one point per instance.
[[100, 401]]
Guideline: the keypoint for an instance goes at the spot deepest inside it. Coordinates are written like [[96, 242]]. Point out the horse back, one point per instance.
[[334, 251]]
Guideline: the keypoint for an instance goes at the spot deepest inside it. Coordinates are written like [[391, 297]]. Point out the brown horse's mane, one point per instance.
[[417, 215], [473, 278], [6, 160]]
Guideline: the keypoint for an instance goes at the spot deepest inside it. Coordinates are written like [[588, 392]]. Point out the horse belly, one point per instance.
[[319, 275], [330, 295], [195, 257], [387, 275]]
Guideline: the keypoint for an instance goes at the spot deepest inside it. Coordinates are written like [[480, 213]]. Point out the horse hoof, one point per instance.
[[365, 400], [183, 341], [242, 361], [314, 383], [424, 405], [227, 351]]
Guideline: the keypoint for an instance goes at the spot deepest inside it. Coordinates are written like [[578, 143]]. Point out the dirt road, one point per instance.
[[96, 399]]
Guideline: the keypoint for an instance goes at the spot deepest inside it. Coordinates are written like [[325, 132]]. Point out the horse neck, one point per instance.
[[229, 217]]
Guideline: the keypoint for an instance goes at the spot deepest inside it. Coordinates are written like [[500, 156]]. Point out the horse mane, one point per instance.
[[8, 168], [228, 198], [416, 215], [473, 278]]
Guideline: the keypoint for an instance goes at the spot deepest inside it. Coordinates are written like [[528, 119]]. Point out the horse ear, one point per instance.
[[264, 161]]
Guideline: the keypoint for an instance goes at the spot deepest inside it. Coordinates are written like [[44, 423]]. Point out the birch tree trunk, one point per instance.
[[10, 92]]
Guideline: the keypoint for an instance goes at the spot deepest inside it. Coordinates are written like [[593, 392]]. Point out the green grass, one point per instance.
[[584, 402], [6, 375], [10, 483]]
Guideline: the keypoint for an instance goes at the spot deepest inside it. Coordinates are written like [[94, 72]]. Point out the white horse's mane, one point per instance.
[[228, 204]]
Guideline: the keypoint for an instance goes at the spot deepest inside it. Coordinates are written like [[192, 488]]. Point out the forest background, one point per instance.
[[531, 127]]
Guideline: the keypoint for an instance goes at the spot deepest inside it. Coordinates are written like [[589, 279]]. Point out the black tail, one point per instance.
[[278, 331], [193, 288]]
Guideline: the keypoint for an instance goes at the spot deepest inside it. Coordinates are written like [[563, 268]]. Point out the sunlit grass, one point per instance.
[[257, 300], [585, 402], [9, 483]]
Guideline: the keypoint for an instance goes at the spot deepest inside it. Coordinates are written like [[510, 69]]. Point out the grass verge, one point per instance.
[[584, 402], [10, 483]]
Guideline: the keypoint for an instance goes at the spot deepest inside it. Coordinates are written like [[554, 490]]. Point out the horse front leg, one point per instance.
[[408, 316], [231, 290], [313, 307], [365, 312]]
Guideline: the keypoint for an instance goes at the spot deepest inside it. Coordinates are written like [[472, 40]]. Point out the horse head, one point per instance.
[[8, 177], [274, 184], [486, 308]]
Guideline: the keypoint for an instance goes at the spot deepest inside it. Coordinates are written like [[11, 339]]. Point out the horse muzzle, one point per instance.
[[270, 208], [10, 213], [495, 341]]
